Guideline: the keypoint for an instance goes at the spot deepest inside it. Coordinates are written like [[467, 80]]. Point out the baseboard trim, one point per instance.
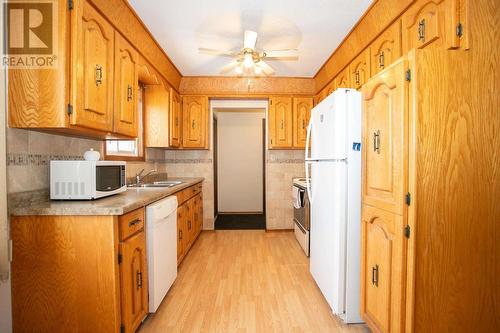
[[240, 213], [279, 230]]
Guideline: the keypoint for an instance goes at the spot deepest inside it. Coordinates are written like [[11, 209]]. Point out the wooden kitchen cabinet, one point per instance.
[[431, 22], [189, 219], [302, 107], [156, 116], [359, 69], [384, 133], [126, 88], [280, 123], [181, 232], [175, 134], [195, 122], [386, 48], [382, 269], [343, 79], [94, 71]]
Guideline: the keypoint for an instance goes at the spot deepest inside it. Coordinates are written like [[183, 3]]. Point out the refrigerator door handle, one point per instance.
[[307, 163], [308, 140]]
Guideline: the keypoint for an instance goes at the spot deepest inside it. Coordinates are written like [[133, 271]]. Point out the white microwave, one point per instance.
[[86, 180]]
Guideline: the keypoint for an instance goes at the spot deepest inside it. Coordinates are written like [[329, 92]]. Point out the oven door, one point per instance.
[[300, 215], [109, 178]]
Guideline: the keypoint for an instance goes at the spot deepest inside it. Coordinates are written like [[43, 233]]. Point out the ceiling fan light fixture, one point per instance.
[[248, 60]]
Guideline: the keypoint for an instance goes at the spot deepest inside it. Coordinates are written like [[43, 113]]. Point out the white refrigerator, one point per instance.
[[333, 176]]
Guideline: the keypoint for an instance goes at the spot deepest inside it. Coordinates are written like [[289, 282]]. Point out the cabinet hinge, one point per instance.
[[460, 30], [120, 258], [408, 75], [70, 109], [70, 4], [408, 198], [122, 328], [407, 231]]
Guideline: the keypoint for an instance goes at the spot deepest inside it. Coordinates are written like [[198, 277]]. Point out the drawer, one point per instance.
[[131, 223], [187, 193]]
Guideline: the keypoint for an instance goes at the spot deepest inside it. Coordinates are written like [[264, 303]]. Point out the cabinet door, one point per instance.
[[134, 281], [280, 122], [301, 114], [384, 116], [343, 80], [190, 226], [93, 91], [359, 69], [180, 233], [126, 81], [175, 118], [382, 270], [156, 117], [386, 48], [195, 121], [431, 22], [198, 217]]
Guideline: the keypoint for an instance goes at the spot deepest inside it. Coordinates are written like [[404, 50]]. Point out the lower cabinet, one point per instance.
[[382, 270], [189, 219]]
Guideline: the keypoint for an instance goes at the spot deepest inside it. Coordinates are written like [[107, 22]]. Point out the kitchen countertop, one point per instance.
[[119, 204]]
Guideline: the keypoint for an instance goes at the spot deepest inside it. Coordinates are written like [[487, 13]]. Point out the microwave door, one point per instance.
[[109, 178]]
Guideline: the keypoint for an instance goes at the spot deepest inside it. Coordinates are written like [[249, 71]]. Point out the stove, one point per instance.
[[301, 211]]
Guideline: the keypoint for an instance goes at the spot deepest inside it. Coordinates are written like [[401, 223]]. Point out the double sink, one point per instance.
[[157, 184]]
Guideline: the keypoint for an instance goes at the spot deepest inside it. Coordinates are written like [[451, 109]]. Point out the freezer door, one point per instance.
[[329, 128], [327, 234]]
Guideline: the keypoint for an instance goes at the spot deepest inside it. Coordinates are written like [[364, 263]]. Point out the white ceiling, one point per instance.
[[314, 27]]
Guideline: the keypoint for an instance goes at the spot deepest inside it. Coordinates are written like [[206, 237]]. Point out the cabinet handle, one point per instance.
[[98, 75], [375, 275], [421, 30], [134, 222], [303, 124], [376, 141], [129, 92], [176, 121], [180, 234], [282, 124], [189, 225], [192, 124], [139, 279], [381, 60], [356, 77]]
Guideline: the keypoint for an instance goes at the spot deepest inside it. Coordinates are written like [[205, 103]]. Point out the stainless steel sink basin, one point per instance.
[[158, 184]]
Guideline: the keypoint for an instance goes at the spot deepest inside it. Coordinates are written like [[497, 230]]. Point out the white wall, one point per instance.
[[240, 161]]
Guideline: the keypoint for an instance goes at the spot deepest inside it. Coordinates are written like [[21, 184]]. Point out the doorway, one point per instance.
[[239, 167]]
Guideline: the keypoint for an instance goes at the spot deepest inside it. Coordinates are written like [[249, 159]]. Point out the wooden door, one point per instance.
[[93, 90], [189, 222], [156, 117], [343, 79], [384, 139], [301, 114], [134, 281], [386, 48], [359, 69], [126, 85], [198, 215], [280, 122], [175, 119], [195, 121], [431, 22], [383, 251], [180, 233]]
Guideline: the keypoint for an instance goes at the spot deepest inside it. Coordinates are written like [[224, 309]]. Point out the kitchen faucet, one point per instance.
[[139, 177]]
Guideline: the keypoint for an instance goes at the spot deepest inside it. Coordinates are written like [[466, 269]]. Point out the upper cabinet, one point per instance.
[[126, 80], [301, 113], [386, 48], [359, 69], [280, 122], [91, 91], [342, 80], [93, 100], [195, 122], [429, 22], [175, 135], [156, 114]]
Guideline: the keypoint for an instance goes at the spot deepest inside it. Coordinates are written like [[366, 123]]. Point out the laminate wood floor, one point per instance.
[[245, 281]]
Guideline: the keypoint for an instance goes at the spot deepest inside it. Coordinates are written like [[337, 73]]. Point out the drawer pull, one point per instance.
[[375, 275], [134, 222]]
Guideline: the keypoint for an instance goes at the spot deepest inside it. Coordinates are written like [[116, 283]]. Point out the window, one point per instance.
[[119, 149]]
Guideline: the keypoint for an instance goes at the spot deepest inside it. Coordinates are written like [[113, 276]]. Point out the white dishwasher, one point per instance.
[[161, 239]]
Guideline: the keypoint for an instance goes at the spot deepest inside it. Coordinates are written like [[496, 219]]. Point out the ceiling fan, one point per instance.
[[249, 61]]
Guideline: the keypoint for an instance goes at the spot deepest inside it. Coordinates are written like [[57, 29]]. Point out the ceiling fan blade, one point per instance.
[[291, 54], [250, 39], [268, 70], [217, 52], [229, 67]]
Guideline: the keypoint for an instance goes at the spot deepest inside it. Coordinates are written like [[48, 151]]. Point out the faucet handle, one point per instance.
[[138, 174]]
